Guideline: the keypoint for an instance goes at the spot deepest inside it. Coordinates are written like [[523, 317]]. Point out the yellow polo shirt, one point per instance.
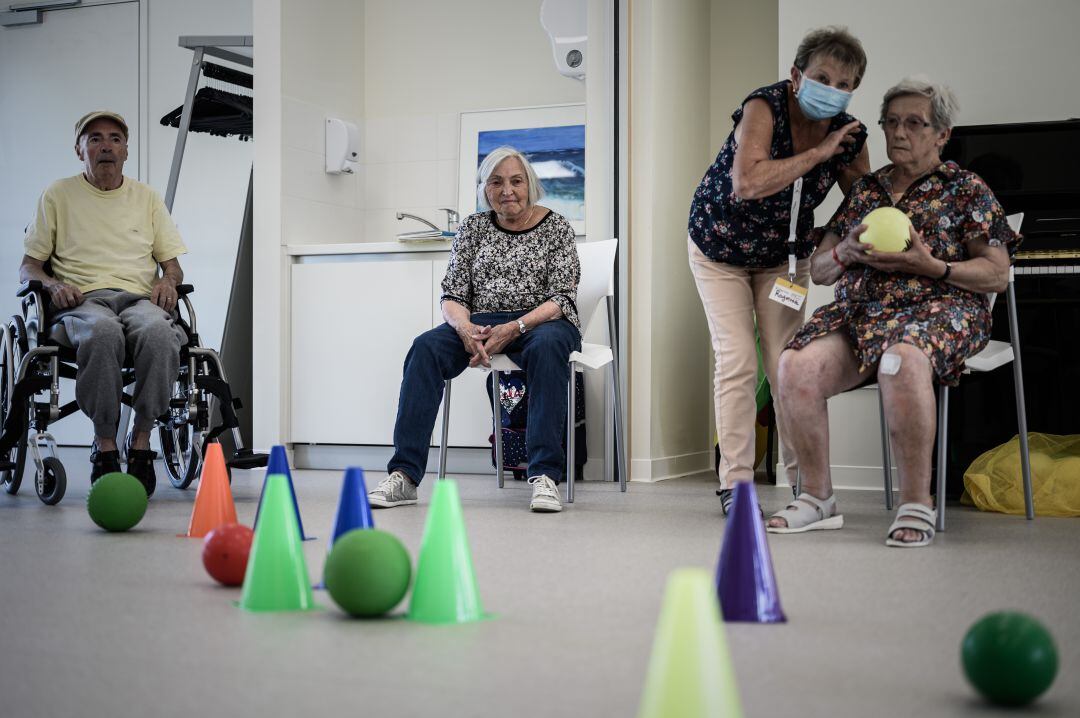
[[103, 240]]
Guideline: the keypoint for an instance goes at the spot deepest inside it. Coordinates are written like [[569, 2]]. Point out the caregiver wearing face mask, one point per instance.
[[751, 228]]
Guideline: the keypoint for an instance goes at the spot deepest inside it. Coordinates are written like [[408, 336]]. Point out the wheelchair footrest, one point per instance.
[[246, 459]]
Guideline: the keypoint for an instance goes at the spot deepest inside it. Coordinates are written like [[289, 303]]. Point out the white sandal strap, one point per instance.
[[916, 517], [796, 512]]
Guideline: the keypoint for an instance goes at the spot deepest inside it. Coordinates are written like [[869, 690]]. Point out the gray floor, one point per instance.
[[93, 624]]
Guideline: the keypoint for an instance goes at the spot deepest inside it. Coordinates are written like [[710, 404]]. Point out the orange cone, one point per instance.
[[213, 500]]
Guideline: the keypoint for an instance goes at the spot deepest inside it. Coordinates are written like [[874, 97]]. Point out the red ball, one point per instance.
[[225, 553]]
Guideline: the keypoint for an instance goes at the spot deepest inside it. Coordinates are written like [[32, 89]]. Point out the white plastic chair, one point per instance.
[[597, 261], [993, 355]]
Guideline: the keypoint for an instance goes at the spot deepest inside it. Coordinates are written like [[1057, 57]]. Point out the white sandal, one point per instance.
[[808, 513], [916, 517]]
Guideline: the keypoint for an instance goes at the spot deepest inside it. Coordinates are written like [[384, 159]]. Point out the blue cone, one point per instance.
[[353, 510], [745, 582], [279, 464]]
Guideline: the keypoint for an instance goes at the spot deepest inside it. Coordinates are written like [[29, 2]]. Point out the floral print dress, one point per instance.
[[875, 309], [754, 232]]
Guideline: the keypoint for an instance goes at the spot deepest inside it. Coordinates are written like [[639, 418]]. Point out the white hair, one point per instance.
[[493, 159], [943, 104]]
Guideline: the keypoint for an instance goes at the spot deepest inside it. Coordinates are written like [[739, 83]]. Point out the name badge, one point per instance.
[[788, 293]]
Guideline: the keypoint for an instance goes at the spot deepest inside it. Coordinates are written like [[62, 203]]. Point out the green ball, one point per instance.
[[117, 501], [1009, 658], [367, 572]]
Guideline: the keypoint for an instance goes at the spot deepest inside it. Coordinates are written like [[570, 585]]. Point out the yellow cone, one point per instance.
[[690, 673]]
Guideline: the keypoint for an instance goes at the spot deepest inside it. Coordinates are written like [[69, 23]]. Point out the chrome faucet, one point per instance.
[[452, 219], [403, 215]]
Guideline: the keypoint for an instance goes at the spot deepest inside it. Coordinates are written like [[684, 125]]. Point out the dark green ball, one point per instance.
[[1009, 657], [117, 501], [367, 572]]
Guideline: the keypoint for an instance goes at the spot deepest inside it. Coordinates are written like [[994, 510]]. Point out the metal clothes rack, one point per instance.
[[233, 48]]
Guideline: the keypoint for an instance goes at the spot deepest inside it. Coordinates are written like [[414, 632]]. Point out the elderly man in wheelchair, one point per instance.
[[91, 293]]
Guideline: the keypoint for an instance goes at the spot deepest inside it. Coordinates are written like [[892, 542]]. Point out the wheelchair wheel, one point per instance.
[[181, 449], [51, 483], [11, 353]]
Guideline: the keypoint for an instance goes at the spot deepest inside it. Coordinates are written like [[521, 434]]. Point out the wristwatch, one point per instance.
[[521, 326], [948, 271]]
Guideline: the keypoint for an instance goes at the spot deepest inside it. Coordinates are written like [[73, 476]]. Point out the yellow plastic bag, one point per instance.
[[994, 481]]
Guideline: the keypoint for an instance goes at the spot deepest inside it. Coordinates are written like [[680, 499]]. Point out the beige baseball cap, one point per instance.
[[80, 126]]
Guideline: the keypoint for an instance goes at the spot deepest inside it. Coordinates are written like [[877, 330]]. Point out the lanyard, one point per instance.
[[796, 199]]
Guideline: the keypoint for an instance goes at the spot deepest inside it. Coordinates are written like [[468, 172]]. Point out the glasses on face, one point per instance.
[[911, 123]]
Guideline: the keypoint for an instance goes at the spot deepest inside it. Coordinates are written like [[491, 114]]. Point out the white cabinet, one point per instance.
[[354, 317]]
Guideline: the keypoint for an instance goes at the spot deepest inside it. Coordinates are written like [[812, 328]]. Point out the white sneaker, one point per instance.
[[397, 489], [545, 498]]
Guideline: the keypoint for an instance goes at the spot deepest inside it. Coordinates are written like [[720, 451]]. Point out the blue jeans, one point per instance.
[[438, 355]]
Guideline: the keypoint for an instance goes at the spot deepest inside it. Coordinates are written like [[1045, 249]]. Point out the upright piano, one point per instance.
[[1034, 168]]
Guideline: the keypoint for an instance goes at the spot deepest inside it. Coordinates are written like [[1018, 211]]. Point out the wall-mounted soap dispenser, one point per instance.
[[342, 146]]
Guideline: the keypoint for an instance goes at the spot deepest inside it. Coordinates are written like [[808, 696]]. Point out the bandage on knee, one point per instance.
[[890, 364]]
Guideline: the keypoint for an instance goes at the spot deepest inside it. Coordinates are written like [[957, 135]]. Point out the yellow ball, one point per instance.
[[887, 230]]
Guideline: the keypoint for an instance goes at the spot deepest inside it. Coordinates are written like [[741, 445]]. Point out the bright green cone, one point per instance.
[[277, 575], [690, 673], [445, 589]]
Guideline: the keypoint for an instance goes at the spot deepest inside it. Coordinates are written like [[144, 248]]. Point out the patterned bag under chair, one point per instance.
[[514, 408]]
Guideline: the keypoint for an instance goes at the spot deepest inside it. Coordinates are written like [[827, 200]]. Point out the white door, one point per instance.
[[79, 59]]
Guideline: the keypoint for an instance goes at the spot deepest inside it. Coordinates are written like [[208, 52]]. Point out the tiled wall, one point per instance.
[[408, 164]]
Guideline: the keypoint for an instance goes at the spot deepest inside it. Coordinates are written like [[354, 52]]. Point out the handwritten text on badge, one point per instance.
[[788, 294]]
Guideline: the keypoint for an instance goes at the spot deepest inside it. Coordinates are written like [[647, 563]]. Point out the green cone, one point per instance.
[[277, 575], [690, 673], [445, 589]]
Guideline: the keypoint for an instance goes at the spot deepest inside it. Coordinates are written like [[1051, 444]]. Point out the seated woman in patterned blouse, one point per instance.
[[906, 319], [510, 288]]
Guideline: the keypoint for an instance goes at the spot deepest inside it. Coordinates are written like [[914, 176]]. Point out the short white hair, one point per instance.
[[943, 104], [493, 159]]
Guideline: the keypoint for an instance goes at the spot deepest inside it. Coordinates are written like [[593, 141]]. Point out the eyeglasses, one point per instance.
[[911, 123]]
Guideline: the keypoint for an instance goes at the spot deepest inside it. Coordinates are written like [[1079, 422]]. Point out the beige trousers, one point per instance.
[[733, 296]]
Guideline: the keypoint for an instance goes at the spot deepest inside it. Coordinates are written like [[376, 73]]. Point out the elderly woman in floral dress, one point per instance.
[[907, 319], [510, 288]]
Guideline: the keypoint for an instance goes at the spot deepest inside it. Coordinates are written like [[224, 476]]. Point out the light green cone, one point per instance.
[[690, 673], [277, 575], [445, 589]]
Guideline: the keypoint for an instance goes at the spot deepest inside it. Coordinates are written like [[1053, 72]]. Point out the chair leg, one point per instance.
[[942, 451], [571, 419], [496, 423], [886, 453], [1021, 408], [620, 441], [798, 481], [445, 430]]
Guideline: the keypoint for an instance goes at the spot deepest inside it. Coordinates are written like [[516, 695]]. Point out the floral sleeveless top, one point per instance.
[[753, 233]]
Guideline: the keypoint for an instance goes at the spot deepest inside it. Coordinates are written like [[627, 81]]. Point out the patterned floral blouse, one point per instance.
[[493, 269], [876, 309], [754, 232]]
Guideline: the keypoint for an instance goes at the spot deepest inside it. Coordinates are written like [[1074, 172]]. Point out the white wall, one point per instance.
[[425, 62], [1007, 62]]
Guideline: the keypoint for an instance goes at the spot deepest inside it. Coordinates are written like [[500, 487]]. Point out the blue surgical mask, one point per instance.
[[820, 102]]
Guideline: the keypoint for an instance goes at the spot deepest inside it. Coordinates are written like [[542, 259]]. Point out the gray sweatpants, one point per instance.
[[106, 327]]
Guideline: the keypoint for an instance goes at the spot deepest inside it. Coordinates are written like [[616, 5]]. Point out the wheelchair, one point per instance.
[[32, 364]]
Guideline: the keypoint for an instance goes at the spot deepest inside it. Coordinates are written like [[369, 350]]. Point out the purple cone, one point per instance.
[[745, 582]]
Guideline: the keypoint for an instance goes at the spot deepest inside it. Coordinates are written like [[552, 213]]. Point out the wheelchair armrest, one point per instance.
[[182, 290], [25, 288]]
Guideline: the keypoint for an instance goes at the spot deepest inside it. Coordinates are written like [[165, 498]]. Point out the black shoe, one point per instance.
[[103, 462], [727, 497], [141, 466]]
